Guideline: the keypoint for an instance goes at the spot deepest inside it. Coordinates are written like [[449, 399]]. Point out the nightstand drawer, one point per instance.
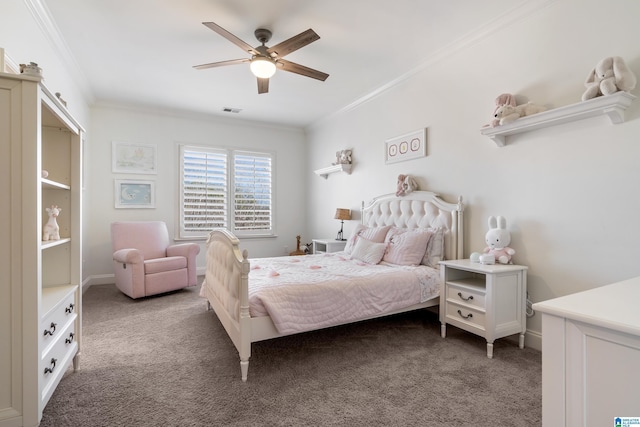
[[462, 316], [466, 295]]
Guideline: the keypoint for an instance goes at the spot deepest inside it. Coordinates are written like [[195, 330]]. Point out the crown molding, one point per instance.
[[51, 31], [507, 19]]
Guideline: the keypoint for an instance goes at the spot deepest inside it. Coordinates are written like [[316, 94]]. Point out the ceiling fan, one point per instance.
[[265, 60]]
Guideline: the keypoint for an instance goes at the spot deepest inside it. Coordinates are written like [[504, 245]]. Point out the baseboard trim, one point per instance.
[[533, 339]]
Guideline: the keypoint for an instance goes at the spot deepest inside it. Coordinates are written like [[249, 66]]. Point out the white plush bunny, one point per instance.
[[497, 238]]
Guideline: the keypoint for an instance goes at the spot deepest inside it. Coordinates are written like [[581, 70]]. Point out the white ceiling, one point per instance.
[[141, 52]]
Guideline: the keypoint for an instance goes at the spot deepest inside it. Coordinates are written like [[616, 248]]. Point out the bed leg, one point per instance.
[[209, 308], [244, 368]]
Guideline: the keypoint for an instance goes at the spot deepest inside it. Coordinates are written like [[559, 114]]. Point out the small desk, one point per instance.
[[321, 246]]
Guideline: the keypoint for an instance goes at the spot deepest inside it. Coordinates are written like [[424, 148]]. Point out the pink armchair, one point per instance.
[[146, 264]]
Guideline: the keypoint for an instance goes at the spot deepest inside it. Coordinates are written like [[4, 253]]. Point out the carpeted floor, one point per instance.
[[166, 361]]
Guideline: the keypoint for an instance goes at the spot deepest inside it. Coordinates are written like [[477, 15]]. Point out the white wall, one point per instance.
[[25, 39], [569, 192], [166, 131]]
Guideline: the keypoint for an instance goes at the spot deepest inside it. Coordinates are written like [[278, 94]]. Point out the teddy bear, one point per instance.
[[497, 238], [501, 100], [609, 76], [507, 113], [405, 185]]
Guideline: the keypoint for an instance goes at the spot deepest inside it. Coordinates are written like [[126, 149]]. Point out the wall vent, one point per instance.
[[231, 110]]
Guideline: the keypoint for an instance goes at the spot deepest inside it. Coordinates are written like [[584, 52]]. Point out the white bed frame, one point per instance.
[[228, 268]]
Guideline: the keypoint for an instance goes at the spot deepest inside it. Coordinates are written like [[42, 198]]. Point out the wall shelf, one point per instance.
[[612, 106], [325, 172]]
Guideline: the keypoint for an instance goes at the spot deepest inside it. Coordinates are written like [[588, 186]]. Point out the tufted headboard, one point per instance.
[[419, 209]]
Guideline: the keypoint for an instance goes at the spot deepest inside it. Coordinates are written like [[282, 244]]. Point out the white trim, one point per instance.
[[508, 19], [50, 30]]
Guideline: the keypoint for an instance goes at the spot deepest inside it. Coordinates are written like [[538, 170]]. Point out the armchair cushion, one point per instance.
[[158, 265]]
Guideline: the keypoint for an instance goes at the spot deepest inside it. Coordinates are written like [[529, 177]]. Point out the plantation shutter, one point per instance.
[[252, 174], [204, 190]]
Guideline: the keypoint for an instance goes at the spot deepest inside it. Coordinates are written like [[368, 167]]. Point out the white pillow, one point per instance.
[[375, 234], [368, 251], [435, 248], [406, 247]]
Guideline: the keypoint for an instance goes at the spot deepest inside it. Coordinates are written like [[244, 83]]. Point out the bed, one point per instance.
[[260, 299]]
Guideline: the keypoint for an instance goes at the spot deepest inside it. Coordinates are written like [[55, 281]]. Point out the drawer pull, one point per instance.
[[470, 298], [69, 309], [49, 370], [468, 316], [51, 330], [70, 339]]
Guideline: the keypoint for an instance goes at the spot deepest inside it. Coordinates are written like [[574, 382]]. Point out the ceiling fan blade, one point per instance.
[[292, 67], [233, 39], [263, 85], [294, 43], [221, 63]]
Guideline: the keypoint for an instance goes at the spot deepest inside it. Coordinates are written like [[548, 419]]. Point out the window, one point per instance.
[[231, 189]]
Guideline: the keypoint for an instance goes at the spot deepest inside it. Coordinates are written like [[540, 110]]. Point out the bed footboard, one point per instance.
[[226, 287]]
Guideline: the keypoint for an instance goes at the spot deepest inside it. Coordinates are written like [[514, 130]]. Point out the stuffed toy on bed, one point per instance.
[[497, 238], [609, 76]]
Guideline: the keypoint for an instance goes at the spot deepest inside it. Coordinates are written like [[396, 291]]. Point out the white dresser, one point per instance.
[[591, 356]]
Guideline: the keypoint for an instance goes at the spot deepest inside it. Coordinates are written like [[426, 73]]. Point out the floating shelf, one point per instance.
[[612, 106], [325, 172]]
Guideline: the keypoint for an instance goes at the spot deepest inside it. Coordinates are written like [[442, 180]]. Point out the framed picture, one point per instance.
[[406, 147], [134, 194], [133, 158]]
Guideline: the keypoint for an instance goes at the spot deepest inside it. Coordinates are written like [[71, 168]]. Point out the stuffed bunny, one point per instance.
[[405, 185], [502, 100], [609, 76], [498, 237]]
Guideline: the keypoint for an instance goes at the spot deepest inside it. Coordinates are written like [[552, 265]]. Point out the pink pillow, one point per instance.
[[375, 234], [406, 247], [368, 251]]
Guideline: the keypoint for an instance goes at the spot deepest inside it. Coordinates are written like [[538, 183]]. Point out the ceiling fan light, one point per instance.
[[262, 67]]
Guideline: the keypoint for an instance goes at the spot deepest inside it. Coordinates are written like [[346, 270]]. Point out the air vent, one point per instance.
[[231, 110]]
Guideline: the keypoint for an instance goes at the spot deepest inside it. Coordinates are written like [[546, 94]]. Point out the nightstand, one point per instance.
[[321, 246], [487, 300]]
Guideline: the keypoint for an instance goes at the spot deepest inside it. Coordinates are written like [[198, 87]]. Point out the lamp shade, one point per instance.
[[262, 67], [343, 214]]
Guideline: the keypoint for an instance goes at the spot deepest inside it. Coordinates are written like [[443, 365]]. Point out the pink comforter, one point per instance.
[[310, 292]]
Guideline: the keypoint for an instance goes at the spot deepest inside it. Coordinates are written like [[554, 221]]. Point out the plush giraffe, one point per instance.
[[51, 229]]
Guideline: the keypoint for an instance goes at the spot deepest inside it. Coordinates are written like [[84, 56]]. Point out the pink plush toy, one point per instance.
[[406, 184], [501, 101], [497, 238]]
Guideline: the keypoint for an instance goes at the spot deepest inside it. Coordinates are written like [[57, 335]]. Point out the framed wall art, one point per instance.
[[133, 158], [406, 147], [134, 194]]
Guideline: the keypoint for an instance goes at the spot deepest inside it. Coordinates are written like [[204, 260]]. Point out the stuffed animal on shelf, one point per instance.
[[507, 113], [498, 239], [501, 100], [609, 76], [405, 185], [51, 230]]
